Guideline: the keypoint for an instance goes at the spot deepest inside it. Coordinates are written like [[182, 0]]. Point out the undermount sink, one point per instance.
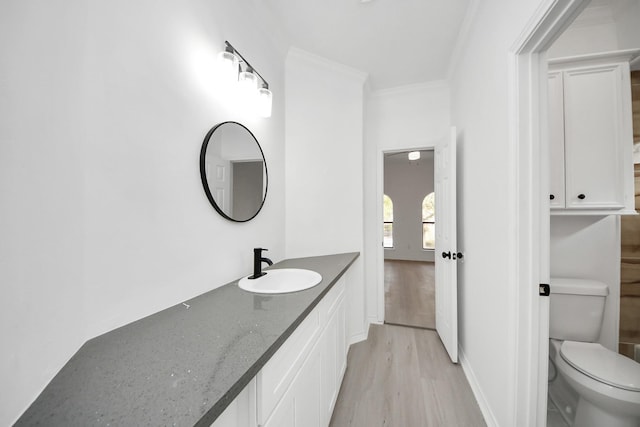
[[280, 281]]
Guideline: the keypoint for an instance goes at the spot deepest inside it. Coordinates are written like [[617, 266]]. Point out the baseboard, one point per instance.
[[361, 336], [489, 418], [373, 320]]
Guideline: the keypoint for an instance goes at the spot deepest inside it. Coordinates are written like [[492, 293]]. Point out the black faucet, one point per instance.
[[257, 263]]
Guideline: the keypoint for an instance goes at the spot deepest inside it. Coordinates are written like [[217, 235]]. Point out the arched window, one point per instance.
[[429, 222], [387, 210]]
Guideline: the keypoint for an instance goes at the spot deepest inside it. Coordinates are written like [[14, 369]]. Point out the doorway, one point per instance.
[[409, 238], [530, 195], [577, 242]]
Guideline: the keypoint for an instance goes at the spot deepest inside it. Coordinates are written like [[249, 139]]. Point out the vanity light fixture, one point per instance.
[[253, 88], [414, 155]]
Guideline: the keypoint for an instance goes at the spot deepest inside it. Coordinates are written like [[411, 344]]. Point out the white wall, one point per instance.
[[601, 28], [480, 111], [588, 247], [627, 17], [41, 196], [324, 137], [594, 30], [407, 117], [103, 220], [407, 183]]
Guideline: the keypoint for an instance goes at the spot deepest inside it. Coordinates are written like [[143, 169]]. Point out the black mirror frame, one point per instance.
[[203, 175]]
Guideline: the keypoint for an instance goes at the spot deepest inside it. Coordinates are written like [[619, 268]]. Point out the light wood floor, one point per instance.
[[409, 293], [402, 377]]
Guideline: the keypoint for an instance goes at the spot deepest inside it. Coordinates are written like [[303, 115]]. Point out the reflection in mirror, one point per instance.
[[233, 171]]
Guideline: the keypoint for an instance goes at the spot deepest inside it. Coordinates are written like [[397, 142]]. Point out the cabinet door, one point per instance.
[[300, 404], [278, 373], [334, 360], [307, 398], [284, 415], [556, 140], [593, 138], [329, 346], [242, 411], [343, 347]]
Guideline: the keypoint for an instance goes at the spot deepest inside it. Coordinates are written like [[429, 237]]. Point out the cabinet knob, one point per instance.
[[581, 196], [551, 197]]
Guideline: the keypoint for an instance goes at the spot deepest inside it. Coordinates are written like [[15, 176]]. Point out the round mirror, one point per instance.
[[233, 171]]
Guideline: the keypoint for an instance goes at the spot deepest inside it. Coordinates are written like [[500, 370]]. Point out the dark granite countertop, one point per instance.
[[184, 365]]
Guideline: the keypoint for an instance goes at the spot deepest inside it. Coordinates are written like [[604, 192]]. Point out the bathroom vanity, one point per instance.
[[299, 385], [225, 358]]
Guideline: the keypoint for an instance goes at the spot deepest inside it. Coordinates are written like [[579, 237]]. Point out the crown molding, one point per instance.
[[410, 89]]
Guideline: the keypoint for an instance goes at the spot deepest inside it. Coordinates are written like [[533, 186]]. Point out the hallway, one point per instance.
[[409, 293], [402, 377]]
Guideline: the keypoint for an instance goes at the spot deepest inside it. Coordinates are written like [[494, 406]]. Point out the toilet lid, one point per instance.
[[602, 364]]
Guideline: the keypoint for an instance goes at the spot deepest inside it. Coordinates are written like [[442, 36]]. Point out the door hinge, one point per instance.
[[545, 290]]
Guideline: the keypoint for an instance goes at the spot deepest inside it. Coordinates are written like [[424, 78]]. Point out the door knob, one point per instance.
[[446, 255], [581, 196]]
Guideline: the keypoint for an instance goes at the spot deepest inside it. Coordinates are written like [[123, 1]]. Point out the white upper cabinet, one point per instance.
[[591, 136]]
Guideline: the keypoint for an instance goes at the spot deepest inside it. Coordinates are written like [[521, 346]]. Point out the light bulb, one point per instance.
[[228, 64], [248, 84], [414, 155], [264, 102]]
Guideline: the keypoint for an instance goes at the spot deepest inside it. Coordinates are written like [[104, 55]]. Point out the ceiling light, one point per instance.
[[414, 155]]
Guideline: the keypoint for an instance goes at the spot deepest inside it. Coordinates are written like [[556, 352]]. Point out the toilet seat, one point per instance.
[[602, 364]]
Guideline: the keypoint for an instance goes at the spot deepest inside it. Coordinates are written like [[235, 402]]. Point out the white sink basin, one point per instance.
[[280, 281]]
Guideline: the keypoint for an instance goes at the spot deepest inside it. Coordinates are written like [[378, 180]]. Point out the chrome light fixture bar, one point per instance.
[[251, 85]]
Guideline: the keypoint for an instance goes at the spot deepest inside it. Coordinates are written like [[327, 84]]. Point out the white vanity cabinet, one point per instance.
[[299, 385], [591, 136]]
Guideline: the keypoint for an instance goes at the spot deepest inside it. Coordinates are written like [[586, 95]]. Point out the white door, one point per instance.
[[219, 177], [446, 255]]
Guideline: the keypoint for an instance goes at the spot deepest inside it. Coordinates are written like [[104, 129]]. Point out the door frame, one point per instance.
[[431, 145], [529, 208]]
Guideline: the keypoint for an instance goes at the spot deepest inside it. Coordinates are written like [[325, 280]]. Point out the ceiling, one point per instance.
[[397, 42]]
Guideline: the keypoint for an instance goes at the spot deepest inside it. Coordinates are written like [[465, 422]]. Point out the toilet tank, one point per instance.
[[576, 309]]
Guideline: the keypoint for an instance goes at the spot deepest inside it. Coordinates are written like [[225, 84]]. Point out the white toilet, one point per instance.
[[607, 383]]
